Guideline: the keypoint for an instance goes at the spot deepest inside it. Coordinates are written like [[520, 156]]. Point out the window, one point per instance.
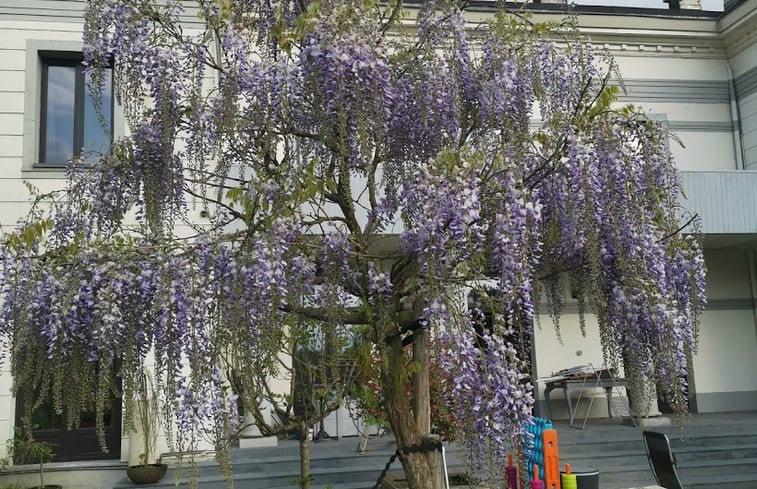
[[69, 123], [81, 443]]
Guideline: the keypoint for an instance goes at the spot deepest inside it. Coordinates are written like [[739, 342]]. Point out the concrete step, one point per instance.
[[722, 452], [359, 476], [698, 454], [709, 456], [608, 461], [722, 481], [712, 440], [622, 439], [601, 447], [335, 465], [703, 469], [693, 474], [279, 464]]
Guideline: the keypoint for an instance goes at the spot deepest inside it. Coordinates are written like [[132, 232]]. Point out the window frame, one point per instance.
[[69, 59], [38, 52]]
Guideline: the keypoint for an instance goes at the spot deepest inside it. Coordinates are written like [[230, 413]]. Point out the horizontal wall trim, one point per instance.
[[677, 126], [746, 83], [611, 32], [703, 91], [712, 305], [63, 11], [714, 402], [701, 126], [729, 304]]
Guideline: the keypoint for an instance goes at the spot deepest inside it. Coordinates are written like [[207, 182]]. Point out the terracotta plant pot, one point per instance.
[[145, 474]]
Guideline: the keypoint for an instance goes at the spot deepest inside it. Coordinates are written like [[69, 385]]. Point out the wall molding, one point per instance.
[[713, 402], [700, 126], [672, 91], [712, 305], [675, 126], [746, 83]]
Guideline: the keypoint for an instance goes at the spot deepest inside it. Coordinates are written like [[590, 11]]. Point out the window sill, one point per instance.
[[51, 172], [63, 466]]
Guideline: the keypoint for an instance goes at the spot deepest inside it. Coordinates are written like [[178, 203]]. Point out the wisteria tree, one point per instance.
[[365, 166]]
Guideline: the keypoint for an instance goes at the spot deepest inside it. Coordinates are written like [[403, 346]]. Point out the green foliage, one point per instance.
[[367, 401], [605, 98], [11, 485], [24, 449]]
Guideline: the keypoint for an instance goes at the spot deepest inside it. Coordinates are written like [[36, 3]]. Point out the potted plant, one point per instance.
[[146, 422], [26, 450]]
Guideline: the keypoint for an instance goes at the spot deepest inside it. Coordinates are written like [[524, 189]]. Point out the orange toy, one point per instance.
[[511, 473], [535, 482], [551, 460]]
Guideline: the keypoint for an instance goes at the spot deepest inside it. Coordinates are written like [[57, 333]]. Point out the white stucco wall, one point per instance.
[[704, 127], [14, 199], [7, 409], [727, 357]]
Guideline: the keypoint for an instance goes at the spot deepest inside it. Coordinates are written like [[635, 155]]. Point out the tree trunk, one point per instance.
[[421, 383], [417, 471], [406, 432], [305, 475]]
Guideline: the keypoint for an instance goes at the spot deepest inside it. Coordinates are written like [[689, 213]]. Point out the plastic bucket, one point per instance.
[[586, 477]]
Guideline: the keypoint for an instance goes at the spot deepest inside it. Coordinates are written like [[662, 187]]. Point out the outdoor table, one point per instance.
[[572, 384]]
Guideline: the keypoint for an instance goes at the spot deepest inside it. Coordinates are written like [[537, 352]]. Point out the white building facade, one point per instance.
[[696, 70]]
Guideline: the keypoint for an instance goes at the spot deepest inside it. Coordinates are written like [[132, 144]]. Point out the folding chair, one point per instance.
[[661, 460]]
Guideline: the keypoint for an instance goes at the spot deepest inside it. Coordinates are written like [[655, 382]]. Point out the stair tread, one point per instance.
[[720, 478], [676, 450], [681, 466]]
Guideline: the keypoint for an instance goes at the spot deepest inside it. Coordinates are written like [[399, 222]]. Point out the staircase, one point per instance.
[[334, 465], [717, 452]]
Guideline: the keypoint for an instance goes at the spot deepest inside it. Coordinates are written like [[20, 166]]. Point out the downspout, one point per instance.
[[752, 263], [738, 147], [753, 285]]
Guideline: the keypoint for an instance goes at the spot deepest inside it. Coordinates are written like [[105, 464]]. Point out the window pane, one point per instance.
[[59, 124], [97, 127], [45, 418]]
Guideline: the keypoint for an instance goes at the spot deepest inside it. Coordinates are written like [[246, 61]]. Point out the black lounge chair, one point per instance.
[[661, 460]]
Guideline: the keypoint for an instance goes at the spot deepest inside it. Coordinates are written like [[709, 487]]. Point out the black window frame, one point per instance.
[[70, 59]]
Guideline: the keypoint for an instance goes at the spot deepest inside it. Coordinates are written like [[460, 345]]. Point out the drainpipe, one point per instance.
[[738, 147], [753, 284]]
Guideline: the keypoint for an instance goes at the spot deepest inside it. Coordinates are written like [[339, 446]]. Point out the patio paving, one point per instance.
[[714, 451], [720, 450]]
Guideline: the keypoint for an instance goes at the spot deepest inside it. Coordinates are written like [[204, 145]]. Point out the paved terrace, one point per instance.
[[716, 451]]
